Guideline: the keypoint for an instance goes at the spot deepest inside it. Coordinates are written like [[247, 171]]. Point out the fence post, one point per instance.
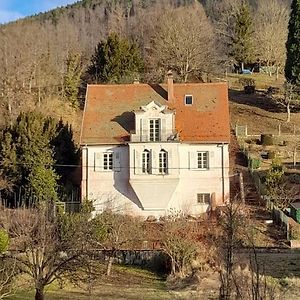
[[241, 181], [246, 130], [279, 129], [294, 129]]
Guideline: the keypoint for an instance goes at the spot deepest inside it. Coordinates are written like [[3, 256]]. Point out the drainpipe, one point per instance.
[[223, 171], [86, 166]]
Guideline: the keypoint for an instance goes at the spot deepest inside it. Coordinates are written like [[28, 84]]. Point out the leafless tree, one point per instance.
[[184, 240], [43, 244], [286, 97], [271, 29], [183, 42], [113, 232]]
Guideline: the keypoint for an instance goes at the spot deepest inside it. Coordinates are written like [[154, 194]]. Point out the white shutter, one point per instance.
[[192, 160], [154, 160], [171, 169], [210, 155], [117, 162], [137, 162], [144, 130], [163, 130], [98, 161]]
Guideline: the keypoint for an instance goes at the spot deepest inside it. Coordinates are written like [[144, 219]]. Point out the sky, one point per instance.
[[11, 10]]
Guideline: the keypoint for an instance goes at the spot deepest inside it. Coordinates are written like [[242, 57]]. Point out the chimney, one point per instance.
[[170, 86]]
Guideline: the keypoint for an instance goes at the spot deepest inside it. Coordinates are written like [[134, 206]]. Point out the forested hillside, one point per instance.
[[36, 52]]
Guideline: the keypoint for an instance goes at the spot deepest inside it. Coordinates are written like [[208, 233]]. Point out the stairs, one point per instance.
[[238, 164]]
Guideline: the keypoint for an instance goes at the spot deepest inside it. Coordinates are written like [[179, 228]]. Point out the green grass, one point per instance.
[[124, 283], [262, 81]]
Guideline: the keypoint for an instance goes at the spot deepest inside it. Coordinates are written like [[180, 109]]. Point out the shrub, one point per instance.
[[294, 232], [4, 240], [247, 82]]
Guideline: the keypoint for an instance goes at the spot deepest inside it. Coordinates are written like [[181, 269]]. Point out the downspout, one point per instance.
[[223, 171], [223, 179], [85, 169]]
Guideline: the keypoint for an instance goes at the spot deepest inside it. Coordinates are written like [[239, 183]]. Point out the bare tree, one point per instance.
[[184, 241], [271, 24], [44, 245], [114, 231], [286, 97], [183, 42]]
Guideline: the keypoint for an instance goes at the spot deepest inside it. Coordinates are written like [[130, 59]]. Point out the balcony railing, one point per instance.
[[161, 138]]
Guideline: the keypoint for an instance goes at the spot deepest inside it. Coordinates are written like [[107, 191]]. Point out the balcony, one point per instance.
[[145, 138]]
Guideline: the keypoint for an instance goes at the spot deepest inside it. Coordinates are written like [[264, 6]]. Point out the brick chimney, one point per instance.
[[170, 86]]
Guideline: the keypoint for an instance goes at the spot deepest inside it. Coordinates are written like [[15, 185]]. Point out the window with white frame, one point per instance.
[[154, 129], [107, 161], [203, 198], [146, 162], [163, 162], [188, 99], [202, 160]]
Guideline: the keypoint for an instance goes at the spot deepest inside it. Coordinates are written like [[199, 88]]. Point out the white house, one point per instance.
[[150, 149]]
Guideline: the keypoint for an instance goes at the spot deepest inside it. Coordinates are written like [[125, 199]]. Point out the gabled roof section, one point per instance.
[[109, 111]]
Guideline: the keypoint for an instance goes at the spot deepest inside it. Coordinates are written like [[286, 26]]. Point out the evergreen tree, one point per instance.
[[115, 60], [72, 79], [292, 66], [27, 157], [241, 41]]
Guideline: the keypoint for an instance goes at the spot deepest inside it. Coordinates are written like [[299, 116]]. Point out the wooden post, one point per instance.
[[241, 181], [246, 130], [279, 129], [294, 129], [294, 156]]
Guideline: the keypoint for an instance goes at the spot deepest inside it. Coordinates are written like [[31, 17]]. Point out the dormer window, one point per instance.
[[154, 130], [188, 99]]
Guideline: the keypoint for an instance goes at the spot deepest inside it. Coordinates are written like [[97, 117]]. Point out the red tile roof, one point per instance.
[[108, 114]]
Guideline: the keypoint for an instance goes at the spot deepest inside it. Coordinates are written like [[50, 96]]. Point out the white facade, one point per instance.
[[156, 173]]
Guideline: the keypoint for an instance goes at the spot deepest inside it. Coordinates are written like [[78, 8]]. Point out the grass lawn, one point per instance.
[[124, 283], [262, 81]]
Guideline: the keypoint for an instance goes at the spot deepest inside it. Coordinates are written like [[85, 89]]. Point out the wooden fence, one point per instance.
[[283, 129]]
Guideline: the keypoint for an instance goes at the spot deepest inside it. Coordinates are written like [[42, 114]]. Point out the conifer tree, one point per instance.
[[115, 60], [241, 41], [72, 78], [292, 66], [27, 157]]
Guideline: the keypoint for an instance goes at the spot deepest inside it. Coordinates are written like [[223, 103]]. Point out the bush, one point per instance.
[[247, 82], [294, 232], [267, 139], [4, 240]]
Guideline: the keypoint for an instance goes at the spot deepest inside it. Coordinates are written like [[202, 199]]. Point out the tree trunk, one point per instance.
[[288, 111], [39, 293], [277, 72], [109, 264]]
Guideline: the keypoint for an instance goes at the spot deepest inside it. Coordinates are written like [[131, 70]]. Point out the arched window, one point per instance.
[[163, 162], [146, 162]]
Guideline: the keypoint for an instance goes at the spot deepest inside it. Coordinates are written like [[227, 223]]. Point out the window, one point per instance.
[[203, 198], [146, 162], [154, 130], [107, 161], [202, 160], [188, 99], [163, 162]]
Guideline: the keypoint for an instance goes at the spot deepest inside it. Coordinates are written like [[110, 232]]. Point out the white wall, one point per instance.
[[159, 193]]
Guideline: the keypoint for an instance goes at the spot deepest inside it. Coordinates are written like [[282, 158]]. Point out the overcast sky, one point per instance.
[[11, 10]]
